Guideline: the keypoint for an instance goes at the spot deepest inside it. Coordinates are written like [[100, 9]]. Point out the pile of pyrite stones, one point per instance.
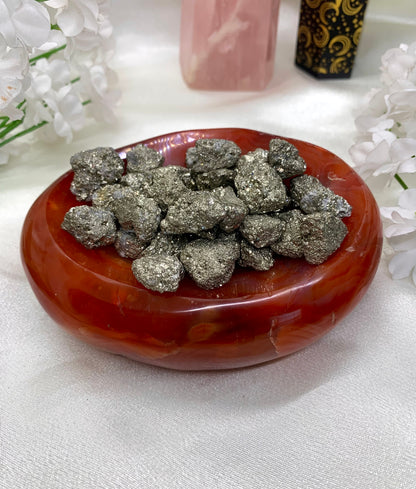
[[222, 209]]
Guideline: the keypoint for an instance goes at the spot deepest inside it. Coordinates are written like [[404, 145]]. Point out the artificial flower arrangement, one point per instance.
[[54, 72], [387, 146]]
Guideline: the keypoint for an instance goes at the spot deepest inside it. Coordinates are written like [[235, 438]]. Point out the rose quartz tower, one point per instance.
[[228, 44]]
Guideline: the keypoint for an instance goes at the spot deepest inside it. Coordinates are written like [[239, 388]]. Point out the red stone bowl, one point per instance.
[[254, 318]]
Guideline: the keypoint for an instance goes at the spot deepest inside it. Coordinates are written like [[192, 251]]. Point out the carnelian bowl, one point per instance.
[[255, 317]]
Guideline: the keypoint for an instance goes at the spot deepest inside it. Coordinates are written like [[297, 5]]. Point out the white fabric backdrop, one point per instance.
[[339, 414]]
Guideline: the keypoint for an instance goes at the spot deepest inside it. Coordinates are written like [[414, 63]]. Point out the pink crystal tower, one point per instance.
[[228, 44]]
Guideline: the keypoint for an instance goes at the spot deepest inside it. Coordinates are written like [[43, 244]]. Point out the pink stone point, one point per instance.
[[228, 44]]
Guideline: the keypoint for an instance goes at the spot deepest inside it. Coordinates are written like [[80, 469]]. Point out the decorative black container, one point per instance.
[[328, 36]]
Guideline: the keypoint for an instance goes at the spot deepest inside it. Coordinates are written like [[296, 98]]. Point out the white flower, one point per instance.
[[24, 22], [403, 216], [98, 85], [82, 16], [42, 68], [46, 75], [13, 70], [64, 112], [385, 154], [372, 124], [400, 157], [74, 16], [387, 145], [404, 99], [398, 64], [409, 127], [36, 112], [89, 40], [55, 40], [68, 112], [94, 37], [387, 126], [47, 78], [402, 235], [376, 104], [403, 264]]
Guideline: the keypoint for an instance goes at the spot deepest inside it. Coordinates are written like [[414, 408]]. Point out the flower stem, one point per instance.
[[10, 127], [47, 54], [4, 119], [22, 133], [402, 183]]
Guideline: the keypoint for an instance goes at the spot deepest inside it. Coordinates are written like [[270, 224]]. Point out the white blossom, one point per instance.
[[73, 16], [387, 126], [401, 234], [402, 216], [55, 40], [385, 154], [403, 264], [99, 85], [24, 22], [47, 79], [67, 113], [85, 23], [398, 64], [13, 71], [386, 144], [49, 74], [54, 70]]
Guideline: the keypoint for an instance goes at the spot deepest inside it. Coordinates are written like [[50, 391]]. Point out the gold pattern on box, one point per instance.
[[328, 36]]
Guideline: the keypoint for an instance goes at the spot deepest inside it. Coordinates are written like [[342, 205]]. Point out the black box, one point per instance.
[[328, 36]]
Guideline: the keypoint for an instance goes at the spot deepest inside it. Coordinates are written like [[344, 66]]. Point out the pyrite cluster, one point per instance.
[[222, 209]]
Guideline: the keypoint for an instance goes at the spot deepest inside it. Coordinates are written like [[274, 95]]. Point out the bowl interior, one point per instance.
[[330, 170]]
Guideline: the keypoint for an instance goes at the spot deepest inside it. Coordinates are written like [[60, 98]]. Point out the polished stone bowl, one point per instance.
[[255, 317]]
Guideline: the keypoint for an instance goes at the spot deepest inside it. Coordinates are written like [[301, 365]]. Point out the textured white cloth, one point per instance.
[[340, 414]]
